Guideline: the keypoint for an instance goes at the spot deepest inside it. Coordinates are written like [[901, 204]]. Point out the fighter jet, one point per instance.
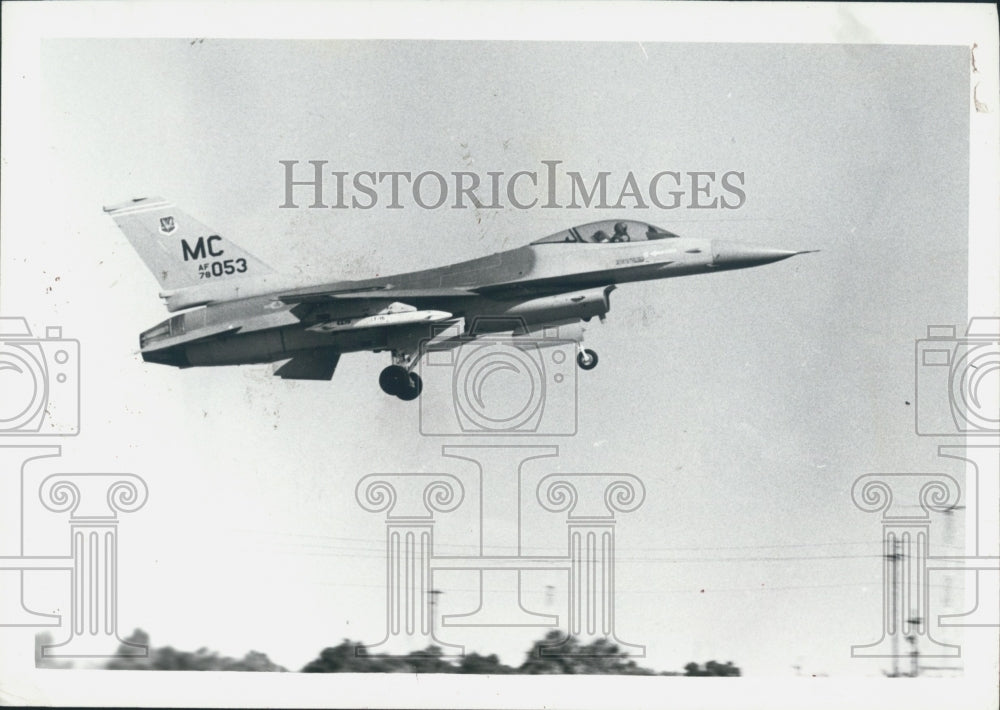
[[235, 309]]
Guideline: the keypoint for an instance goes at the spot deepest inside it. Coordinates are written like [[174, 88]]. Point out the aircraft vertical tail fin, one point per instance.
[[181, 252]]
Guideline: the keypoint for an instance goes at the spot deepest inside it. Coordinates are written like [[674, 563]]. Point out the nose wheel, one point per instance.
[[586, 359], [397, 381]]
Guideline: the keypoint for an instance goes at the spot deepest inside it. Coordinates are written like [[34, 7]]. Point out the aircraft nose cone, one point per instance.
[[730, 255]]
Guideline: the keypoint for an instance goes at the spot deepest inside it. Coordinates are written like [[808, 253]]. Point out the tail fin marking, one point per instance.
[[181, 252]]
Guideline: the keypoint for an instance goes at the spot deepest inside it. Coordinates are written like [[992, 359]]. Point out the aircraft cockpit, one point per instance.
[[609, 231]]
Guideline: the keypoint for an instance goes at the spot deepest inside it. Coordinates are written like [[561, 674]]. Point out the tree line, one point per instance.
[[550, 655]]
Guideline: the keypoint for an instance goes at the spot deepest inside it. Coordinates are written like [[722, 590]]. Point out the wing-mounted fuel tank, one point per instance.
[[341, 317], [562, 307]]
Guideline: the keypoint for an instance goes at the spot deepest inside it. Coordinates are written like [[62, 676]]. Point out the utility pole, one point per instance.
[[895, 629], [898, 622], [914, 653], [433, 593], [432, 601]]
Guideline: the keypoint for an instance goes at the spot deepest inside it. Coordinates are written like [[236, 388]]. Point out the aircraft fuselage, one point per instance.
[[534, 284]]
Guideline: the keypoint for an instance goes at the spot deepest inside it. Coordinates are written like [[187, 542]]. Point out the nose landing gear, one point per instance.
[[586, 359]]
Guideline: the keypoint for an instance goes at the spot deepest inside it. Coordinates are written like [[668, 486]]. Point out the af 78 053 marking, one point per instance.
[[222, 268]]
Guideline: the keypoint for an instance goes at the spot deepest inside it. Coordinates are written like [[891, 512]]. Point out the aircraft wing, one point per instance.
[[510, 290], [376, 292]]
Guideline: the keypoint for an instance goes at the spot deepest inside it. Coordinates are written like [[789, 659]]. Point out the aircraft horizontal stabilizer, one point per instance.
[[313, 365], [154, 338]]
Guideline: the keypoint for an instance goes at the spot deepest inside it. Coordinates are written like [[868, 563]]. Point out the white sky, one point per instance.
[[748, 402]]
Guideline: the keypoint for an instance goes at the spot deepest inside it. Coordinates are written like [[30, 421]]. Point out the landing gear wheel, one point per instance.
[[412, 389], [586, 359], [393, 379]]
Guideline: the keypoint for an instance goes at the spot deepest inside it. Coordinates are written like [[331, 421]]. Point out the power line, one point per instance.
[[381, 541], [376, 549], [687, 590], [381, 555]]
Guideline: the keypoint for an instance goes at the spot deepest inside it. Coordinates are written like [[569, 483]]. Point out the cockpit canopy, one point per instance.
[[616, 231]]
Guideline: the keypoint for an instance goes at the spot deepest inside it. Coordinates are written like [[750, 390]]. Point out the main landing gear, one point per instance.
[[397, 381]]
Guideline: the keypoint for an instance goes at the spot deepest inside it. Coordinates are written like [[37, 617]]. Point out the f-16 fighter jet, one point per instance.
[[235, 310]]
